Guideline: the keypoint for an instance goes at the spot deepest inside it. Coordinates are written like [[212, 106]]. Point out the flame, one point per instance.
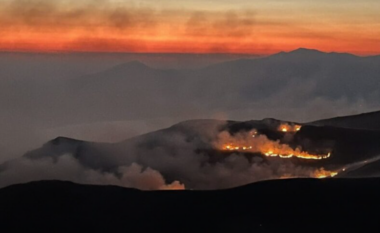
[[257, 143], [252, 142], [278, 150], [289, 128], [176, 185], [298, 154], [320, 174]]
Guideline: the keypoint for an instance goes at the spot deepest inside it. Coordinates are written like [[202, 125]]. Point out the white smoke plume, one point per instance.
[[168, 159], [68, 168]]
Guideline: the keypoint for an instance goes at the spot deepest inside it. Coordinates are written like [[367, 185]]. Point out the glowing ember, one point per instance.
[[278, 150], [324, 174], [247, 142], [176, 185], [320, 174], [289, 128]]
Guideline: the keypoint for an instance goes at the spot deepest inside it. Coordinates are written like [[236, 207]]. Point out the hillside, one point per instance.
[[369, 120], [194, 153]]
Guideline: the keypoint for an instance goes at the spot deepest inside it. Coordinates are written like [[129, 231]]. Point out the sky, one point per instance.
[[196, 26]]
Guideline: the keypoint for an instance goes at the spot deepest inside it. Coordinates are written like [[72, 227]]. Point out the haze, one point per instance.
[[111, 70]]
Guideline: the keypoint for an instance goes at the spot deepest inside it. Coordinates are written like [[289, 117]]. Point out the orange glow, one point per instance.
[[244, 142], [279, 150], [171, 43], [319, 173], [289, 128], [176, 185], [58, 26], [324, 174]]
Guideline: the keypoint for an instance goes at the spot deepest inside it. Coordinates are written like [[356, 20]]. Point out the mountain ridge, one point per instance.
[[300, 52], [368, 120]]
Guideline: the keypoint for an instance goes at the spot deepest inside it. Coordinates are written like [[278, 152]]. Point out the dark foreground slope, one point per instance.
[[300, 205]]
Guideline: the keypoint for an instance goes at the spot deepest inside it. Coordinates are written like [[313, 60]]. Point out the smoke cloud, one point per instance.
[[111, 26], [66, 167], [114, 103], [175, 158]]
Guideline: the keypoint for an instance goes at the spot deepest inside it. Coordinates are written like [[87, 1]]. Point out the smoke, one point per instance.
[[66, 167], [71, 15], [132, 99], [258, 143], [45, 15], [229, 24], [175, 158], [104, 25]]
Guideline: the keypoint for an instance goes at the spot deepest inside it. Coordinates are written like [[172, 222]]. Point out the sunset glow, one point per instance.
[[263, 27]]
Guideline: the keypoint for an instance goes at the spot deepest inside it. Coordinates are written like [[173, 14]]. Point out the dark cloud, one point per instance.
[[103, 17], [72, 15], [227, 24]]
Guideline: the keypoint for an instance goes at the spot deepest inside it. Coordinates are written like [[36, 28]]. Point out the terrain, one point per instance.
[[234, 175], [214, 154], [294, 205]]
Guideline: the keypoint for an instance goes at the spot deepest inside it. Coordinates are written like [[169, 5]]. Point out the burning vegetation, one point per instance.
[[289, 128], [322, 173], [253, 142], [274, 149]]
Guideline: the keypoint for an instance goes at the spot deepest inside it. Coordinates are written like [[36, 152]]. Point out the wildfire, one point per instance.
[[176, 185], [320, 174], [298, 154], [324, 174], [253, 142], [283, 151], [289, 128]]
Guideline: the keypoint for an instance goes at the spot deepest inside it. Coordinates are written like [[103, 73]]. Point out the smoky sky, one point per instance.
[[262, 27], [44, 14], [103, 17]]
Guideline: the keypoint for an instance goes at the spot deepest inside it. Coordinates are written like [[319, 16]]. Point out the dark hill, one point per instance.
[[298, 205], [347, 146], [369, 120]]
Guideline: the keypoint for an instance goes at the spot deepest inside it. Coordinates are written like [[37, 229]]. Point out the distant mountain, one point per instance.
[[294, 82], [272, 206], [369, 120], [295, 79], [311, 55]]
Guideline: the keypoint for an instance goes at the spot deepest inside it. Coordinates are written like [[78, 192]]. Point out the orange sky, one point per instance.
[[207, 26]]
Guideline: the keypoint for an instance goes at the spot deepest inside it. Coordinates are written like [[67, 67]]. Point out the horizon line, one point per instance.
[[58, 52]]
